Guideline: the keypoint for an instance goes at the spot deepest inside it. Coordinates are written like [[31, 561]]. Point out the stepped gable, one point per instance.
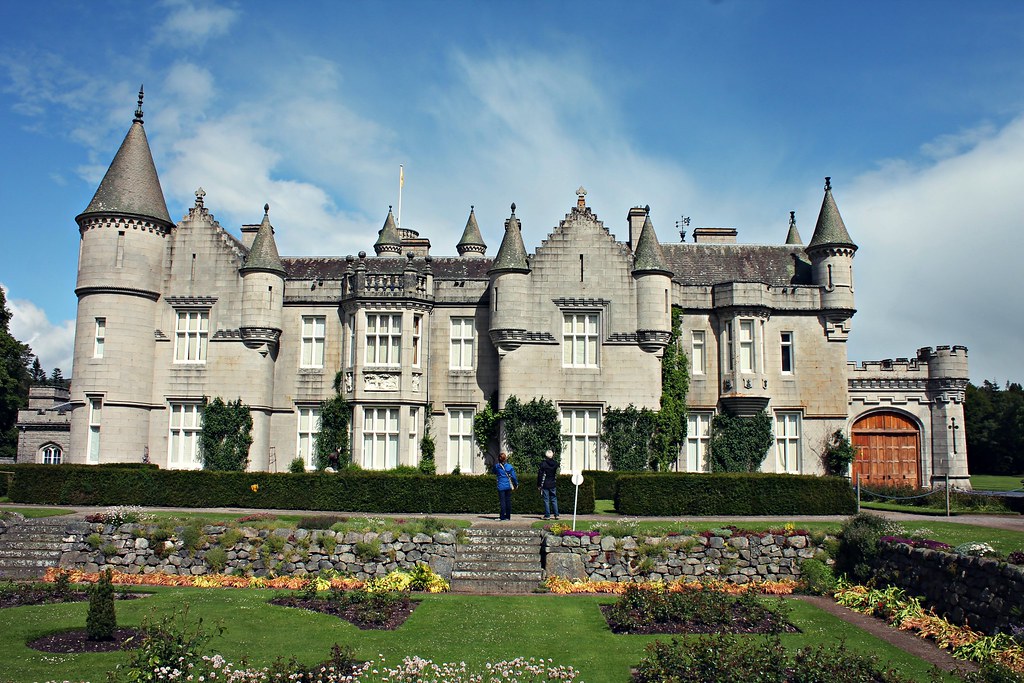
[[712, 264]]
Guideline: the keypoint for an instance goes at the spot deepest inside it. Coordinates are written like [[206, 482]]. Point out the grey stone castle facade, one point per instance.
[[171, 312]]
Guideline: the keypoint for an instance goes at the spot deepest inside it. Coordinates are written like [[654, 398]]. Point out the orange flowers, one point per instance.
[[562, 586]]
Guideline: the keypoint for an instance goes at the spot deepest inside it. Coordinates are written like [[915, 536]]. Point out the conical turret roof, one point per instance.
[[793, 236], [512, 253], [472, 241], [131, 185], [388, 239], [830, 230], [263, 254], [649, 257]]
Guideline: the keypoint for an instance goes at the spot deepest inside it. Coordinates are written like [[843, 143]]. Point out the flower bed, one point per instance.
[[562, 586]]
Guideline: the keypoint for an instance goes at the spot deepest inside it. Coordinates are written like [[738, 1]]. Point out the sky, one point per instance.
[[730, 113]]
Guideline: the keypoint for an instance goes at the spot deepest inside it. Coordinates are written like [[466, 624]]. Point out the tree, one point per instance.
[[994, 422], [630, 437], [332, 438], [37, 374], [14, 381], [57, 379], [675, 384], [427, 463], [530, 429], [485, 426], [227, 435], [739, 444], [838, 454]]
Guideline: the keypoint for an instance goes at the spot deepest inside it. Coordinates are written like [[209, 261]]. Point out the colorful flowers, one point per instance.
[[562, 586]]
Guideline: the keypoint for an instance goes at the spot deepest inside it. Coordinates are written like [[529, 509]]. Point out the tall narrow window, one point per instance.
[[380, 438], [95, 419], [727, 347], [698, 431], [460, 354], [191, 333], [580, 340], [351, 341], [697, 355], [746, 346], [581, 439], [52, 455], [383, 339], [787, 441], [786, 343], [314, 332], [101, 336], [460, 440], [417, 334], [414, 436], [308, 428], [183, 442]]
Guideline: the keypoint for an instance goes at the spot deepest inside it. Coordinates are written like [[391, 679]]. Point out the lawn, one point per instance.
[[33, 513], [995, 482], [475, 629]]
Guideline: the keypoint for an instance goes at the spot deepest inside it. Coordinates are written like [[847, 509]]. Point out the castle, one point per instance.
[[170, 313]]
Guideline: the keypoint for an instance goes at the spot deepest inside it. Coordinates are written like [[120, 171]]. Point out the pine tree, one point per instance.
[[14, 382], [37, 373], [57, 379]]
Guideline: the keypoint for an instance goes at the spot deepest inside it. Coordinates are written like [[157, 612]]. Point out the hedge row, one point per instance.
[[733, 494], [5, 479], [344, 492], [604, 482]]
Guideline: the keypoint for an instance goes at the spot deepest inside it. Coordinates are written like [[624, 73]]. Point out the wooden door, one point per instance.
[[888, 450]]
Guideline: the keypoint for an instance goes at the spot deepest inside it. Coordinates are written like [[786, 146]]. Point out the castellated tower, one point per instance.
[[831, 251], [653, 290], [121, 265], [947, 385]]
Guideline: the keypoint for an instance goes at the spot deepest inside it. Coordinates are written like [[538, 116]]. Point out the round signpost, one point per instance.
[[577, 479]]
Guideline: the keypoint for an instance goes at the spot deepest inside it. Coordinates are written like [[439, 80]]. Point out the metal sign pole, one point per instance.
[[577, 479]]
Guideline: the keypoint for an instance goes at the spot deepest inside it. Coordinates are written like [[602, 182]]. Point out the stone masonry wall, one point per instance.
[[740, 559], [258, 552], [982, 593]]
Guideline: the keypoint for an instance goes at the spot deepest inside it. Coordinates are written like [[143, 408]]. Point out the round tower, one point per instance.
[[262, 289], [831, 252], [653, 290], [947, 387], [509, 283], [121, 262]]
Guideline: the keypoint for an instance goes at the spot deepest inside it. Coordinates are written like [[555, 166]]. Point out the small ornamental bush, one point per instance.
[[858, 546], [817, 578], [975, 549], [216, 558], [101, 621], [297, 466]]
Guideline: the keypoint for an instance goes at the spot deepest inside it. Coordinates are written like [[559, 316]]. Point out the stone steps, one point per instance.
[[29, 548], [498, 560]]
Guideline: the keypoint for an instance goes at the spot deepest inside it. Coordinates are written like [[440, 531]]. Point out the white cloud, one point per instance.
[[191, 23], [53, 343]]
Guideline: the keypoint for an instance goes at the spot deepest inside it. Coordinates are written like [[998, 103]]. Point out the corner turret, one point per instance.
[[389, 241], [831, 252], [510, 276], [262, 289], [793, 236], [472, 243], [653, 296]]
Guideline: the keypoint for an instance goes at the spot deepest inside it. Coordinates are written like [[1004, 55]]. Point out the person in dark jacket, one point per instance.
[[507, 483], [546, 484]]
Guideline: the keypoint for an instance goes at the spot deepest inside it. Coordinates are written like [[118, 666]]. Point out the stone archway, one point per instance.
[[888, 450]]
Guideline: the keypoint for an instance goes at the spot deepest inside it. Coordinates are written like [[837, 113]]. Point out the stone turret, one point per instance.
[[262, 289], [122, 259], [831, 252], [947, 387], [653, 290], [472, 243], [509, 281], [793, 236], [389, 240]]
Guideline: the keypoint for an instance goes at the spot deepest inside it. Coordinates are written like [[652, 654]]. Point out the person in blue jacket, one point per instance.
[[507, 483]]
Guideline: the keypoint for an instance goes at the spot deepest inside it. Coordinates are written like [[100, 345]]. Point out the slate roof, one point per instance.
[[388, 235], [131, 185], [471, 235], [333, 268], [712, 264], [263, 254], [830, 229], [649, 257], [512, 253], [793, 236]]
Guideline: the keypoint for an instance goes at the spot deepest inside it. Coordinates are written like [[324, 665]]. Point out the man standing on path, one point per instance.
[[546, 483]]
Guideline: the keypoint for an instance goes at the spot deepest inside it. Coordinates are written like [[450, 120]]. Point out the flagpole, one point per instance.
[[401, 182]]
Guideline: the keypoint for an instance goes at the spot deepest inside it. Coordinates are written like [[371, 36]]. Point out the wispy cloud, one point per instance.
[[52, 342], [192, 23]]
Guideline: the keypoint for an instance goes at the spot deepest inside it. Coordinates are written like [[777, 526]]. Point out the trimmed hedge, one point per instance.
[[5, 480], [604, 482], [348, 491], [733, 494]]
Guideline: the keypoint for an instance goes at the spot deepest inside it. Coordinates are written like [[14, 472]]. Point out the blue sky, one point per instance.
[[728, 112]]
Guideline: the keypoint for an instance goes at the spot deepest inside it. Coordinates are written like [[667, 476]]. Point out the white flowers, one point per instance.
[[975, 549]]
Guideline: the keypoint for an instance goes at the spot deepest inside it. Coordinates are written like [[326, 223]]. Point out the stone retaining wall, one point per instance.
[[740, 559], [259, 552], [985, 594]]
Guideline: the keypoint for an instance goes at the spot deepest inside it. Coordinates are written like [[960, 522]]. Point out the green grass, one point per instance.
[[474, 629], [995, 482], [33, 513], [177, 517]]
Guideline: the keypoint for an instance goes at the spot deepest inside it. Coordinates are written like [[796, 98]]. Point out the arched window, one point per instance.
[[52, 454]]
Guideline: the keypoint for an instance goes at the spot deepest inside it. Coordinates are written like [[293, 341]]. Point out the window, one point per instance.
[[309, 426], [787, 352], [579, 340], [185, 426], [52, 455], [460, 440], [697, 352], [313, 334], [746, 346], [581, 432], [417, 333], [380, 438], [698, 434], [351, 341], [383, 338], [414, 436], [727, 347], [191, 333], [460, 356], [787, 442], [101, 334], [95, 418]]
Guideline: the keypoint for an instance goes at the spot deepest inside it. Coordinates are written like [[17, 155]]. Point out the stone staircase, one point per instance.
[[498, 560], [30, 547]]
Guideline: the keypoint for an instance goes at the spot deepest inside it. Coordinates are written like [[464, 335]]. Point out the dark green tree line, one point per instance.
[[14, 381], [994, 420]]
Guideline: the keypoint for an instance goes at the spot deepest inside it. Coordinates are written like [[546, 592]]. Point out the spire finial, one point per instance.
[[389, 208], [647, 209], [266, 209], [828, 183], [581, 194], [472, 208], [792, 218], [513, 208], [138, 109]]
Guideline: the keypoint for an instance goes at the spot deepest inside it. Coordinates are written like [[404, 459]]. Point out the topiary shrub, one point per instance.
[[297, 466], [858, 546], [101, 621]]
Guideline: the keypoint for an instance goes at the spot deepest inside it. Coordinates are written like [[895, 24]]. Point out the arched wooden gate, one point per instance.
[[888, 450]]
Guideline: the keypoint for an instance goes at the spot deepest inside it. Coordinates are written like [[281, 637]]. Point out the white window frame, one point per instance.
[[99, 340], [414, 436], [787, 354], [417, 338], [581, 339], [380, 437], [581, 439], [698, 352], [746, 343], [307, 426], [384, 339], [314, 338], [184, 425], [698, 436], [191, 335], [462, 345], [787, 441], [95, 424], [461, 445], [52, 454]]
